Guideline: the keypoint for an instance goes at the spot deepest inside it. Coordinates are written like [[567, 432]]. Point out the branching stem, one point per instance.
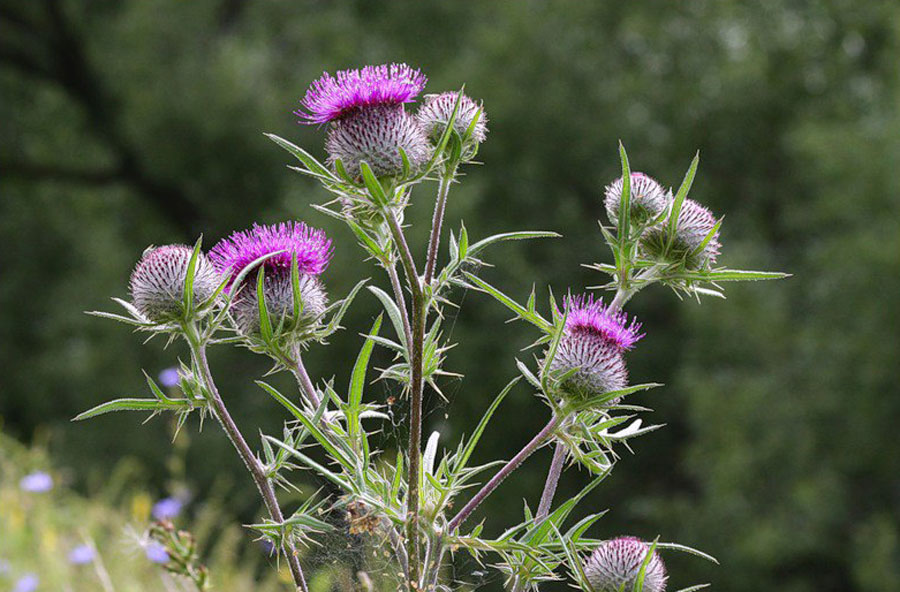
[[503, 473], [415, 394], [198, 351]]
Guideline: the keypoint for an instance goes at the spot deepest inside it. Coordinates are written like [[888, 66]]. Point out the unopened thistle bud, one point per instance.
[[436, 110], [695, 222], [593, 344], [308, 246], [647, 199], [157, 282], [616, 564], [367, 119]]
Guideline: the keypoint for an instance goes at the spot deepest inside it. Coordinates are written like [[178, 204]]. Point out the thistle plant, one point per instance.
[[263, 289]]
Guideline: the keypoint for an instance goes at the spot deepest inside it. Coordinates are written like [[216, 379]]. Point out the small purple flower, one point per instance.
[[156, 553], [332, 97], [167, 508], [157, 282], [311, 246], [169, 377], [37, 482], [4, 567], [616, 563], [27, 583], [82, 555]]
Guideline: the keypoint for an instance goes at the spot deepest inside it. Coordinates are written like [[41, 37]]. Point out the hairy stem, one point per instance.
[[436, 223], [303, 380], [553, 475], [198, 350], [503, 473], [415, 394]]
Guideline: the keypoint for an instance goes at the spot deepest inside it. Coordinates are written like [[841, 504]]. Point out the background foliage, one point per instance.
[[130, 123]]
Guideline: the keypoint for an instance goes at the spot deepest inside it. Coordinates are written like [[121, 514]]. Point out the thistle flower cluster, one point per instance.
[[616, 565], [592, 348], [287, 244], [157, 283], [368, 122], [651, 207]]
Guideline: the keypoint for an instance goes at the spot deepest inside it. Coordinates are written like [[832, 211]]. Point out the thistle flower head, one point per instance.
[[278, 292], [616, 564], [695, 222], [331, 98], [376, 135], [157, 282], [435, 113], [647, 198], [593, 342], [312, 248]]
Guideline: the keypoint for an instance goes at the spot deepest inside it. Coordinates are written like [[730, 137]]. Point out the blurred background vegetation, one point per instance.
[[127, 123]]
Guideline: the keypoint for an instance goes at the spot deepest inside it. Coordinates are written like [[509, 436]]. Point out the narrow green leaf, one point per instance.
[[679, 198], [639, 581], [624, 227], [393, 312], [265, 323], [303, 156], [376, 191], [533, 318], [191, 272], [463, 459], [600, 400], [323, 440], [135, 405], [506, 236], [295, 287], [358, 380]]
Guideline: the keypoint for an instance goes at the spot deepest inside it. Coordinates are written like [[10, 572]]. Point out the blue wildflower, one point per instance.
[[37, 482], [82, 555], [167, 508], [27, 583], [169, 377], [156, 553]]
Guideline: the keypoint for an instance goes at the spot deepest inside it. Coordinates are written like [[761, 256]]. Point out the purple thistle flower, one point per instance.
[[435, 113], [332, 97], [313, 249], [157, 282], [589, 315], [169, 377], [695, 222], [27, 583], [376, 135], [156, 553], [592, 344], [36, 482], [647, 198], [616, 563], [167, 508], [82, 555]]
